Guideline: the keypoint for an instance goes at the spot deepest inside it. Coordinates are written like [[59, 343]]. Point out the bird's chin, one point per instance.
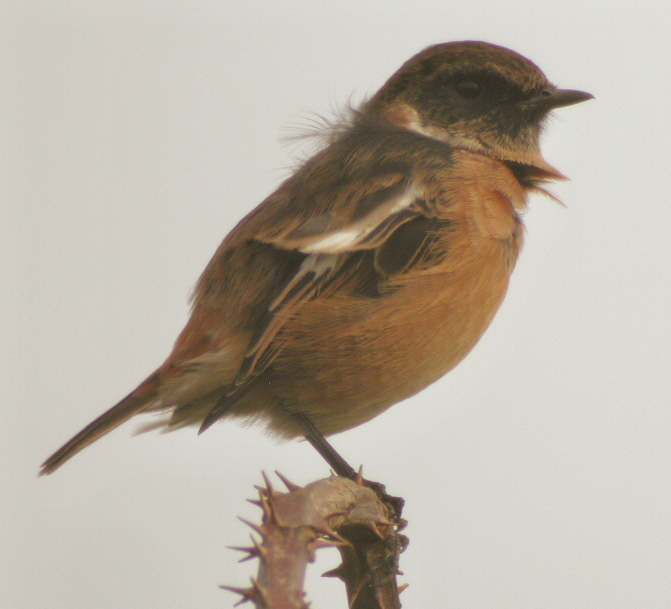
[[539, 169], [530, 163], [527, 162]]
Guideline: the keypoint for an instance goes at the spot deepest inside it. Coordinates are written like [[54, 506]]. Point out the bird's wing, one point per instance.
[[355, 215], [362, 215], [386, 213]]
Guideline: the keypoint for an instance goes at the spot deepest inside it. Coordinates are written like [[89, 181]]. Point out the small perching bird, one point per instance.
[[375, 268]]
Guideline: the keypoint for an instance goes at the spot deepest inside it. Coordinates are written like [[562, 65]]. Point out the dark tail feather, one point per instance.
[[106, 422]]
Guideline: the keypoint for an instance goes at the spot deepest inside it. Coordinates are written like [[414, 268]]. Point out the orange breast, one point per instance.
[[346, 359]]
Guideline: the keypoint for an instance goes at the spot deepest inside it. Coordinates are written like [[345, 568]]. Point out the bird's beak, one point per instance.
[[551, 98]]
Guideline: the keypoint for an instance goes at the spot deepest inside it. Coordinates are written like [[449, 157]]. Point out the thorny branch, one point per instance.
[[361, 522]]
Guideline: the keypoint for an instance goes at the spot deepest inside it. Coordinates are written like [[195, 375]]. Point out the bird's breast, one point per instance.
[[347, 358]]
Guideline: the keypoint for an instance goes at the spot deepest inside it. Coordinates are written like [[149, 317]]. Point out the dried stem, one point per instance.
[[336, 511]]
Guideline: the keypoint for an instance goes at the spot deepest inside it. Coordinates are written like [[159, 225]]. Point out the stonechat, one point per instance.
[[375, 268]]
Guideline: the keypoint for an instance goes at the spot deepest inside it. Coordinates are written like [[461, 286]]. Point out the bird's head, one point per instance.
[[475, 96]]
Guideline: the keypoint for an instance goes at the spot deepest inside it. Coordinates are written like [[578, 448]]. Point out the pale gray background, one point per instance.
[[136, 134]]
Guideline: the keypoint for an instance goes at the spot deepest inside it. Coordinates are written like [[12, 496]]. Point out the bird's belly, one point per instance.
[[345, 361]]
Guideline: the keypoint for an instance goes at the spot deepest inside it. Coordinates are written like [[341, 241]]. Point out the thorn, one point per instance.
[[255, 502], [336, 542], [260, 596], [268, 507], [260, 550], [251, 552], [359, 476], [269, 487], [246, 593], [257, 547], [254, 551], [266, 502], [254, 593], [338, 572], [251, 525], [325, 529], [403, 587], [399, 572], [234, 590], [288, 483], [362, 582], [373, 527], [385, 523], [318, 544]]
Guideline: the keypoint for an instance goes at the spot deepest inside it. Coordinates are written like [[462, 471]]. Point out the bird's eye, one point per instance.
[[469, 89]]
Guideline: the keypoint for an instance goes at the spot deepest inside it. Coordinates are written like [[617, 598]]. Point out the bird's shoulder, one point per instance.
[[367, 172], [373, 172], [375, 187]]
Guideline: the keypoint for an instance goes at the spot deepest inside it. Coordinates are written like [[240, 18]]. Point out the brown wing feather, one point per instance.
[[385, 205]]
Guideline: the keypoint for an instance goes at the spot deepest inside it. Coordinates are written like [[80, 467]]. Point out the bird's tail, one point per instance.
[[106, 422]]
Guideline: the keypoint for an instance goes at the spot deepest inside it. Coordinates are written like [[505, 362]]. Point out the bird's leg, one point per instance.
[[320, 444], [341, 467]]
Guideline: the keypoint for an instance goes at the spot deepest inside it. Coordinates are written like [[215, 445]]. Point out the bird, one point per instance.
[[374, 269]]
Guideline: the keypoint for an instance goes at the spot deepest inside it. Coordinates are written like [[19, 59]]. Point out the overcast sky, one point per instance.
[[136, 134]]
